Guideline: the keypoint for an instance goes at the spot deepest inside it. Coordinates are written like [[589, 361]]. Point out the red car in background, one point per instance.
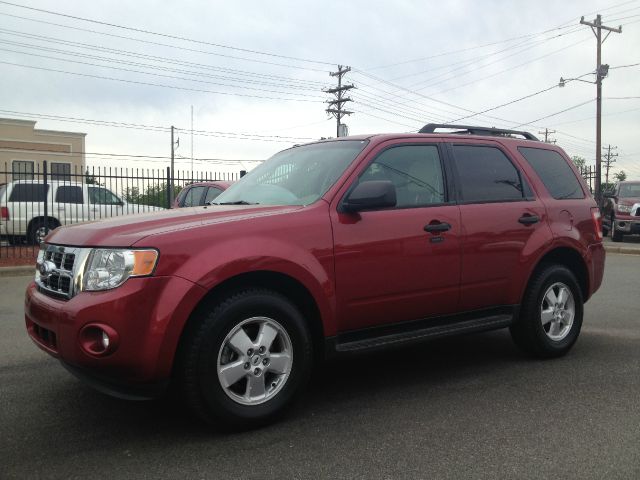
[[621, 212], [200, 193]]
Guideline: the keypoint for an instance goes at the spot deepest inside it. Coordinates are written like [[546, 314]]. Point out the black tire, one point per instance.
[[36, 230], [528, 331], [201, 347], [616, 235]]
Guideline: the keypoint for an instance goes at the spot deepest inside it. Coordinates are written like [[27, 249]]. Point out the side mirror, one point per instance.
[[370, 195]]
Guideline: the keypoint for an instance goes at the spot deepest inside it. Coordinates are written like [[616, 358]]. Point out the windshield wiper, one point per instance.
[[239, 202]]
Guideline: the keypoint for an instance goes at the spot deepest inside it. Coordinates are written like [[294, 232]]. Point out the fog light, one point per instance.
[[98, 339]]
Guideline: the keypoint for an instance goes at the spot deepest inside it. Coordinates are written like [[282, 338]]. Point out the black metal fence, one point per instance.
[[588, 172], [36, 198]]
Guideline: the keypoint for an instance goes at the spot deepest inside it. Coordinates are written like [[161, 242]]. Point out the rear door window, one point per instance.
[[69, 194], [29, 192], [193, 197], [486, 175], [556, 175], [102, 196]]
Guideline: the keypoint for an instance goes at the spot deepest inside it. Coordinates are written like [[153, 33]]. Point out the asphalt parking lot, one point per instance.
[[471, 407]]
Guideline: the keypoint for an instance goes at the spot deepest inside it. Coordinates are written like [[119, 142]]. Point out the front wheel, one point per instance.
[[616, 235], [551, 315], [246, 359]]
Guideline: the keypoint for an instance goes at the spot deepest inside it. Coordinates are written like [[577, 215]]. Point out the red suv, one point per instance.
[[199, 193], [335, 247], [621, 210]]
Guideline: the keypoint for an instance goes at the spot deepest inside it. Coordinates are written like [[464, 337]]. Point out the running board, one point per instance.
[[414, 335]]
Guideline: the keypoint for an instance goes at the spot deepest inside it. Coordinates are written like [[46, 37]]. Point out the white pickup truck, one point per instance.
[[22, 207]]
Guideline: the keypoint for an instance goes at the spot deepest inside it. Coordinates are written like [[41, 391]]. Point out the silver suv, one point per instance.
[[30, 208]]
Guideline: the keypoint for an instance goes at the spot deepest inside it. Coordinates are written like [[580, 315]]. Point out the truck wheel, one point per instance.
[[38, 229], [245, 359], [616, 235], [551, 313]]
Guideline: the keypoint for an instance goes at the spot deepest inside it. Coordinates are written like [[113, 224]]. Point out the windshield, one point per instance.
[[297, 176], [630, 190]]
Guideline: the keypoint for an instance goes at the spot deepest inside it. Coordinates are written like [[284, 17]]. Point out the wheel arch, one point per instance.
[[40, 218], [571, 259], [287, 286]]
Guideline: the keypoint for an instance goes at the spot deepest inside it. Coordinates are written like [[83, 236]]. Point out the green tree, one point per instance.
[[579, 162], [153, 195], [90, 179], [621, 176]]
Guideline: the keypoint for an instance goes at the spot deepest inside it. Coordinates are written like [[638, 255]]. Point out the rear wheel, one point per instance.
[[551, 316], [39, 228], [246, 359]]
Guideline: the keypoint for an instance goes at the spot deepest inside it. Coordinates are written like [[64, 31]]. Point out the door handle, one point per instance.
[[528, 219], [437, 227]]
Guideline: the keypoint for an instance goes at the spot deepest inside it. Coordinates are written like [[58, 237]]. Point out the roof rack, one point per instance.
[[470, 130]]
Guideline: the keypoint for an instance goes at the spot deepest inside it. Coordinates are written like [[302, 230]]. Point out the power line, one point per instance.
[[593, 116], [495, 74], [554, 114], [292, 84], [159, 84], [163, 60], [127, 156], [166, 35], [567, 24], [155, 128], [625, 66], [519, 49], [155, 74], [149, 42]]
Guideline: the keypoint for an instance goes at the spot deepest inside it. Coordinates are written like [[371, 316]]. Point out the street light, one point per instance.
[[602, 71], [564, 81]]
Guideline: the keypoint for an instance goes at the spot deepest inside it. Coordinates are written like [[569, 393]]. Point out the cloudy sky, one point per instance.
[[254, 71]]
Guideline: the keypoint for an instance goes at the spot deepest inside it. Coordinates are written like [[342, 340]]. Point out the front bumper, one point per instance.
[[148, 315], [628, 224]]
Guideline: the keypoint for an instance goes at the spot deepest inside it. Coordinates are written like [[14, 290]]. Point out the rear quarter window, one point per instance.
[[554, 172]]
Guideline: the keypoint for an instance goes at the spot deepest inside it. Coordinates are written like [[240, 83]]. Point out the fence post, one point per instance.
[[46, 200], [169, 187]]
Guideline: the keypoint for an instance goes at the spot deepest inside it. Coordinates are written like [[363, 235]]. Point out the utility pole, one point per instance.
[[192, 143], [601, 72], [546, 133], [336, 107], [609, 160]]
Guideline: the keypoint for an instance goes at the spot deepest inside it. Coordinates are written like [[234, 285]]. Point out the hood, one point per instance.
[[125, 230], [628, 200]]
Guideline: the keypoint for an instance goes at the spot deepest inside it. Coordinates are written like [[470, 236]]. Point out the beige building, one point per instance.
[[23, 149]]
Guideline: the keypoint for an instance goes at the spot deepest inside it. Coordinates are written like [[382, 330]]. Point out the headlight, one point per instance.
[[110, 268], [624, 208]]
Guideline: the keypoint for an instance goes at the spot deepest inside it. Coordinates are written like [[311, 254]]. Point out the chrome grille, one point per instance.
[[58, 269]]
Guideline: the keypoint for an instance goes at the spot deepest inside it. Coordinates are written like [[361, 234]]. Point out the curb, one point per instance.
[[17, 271], [622, 249]]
